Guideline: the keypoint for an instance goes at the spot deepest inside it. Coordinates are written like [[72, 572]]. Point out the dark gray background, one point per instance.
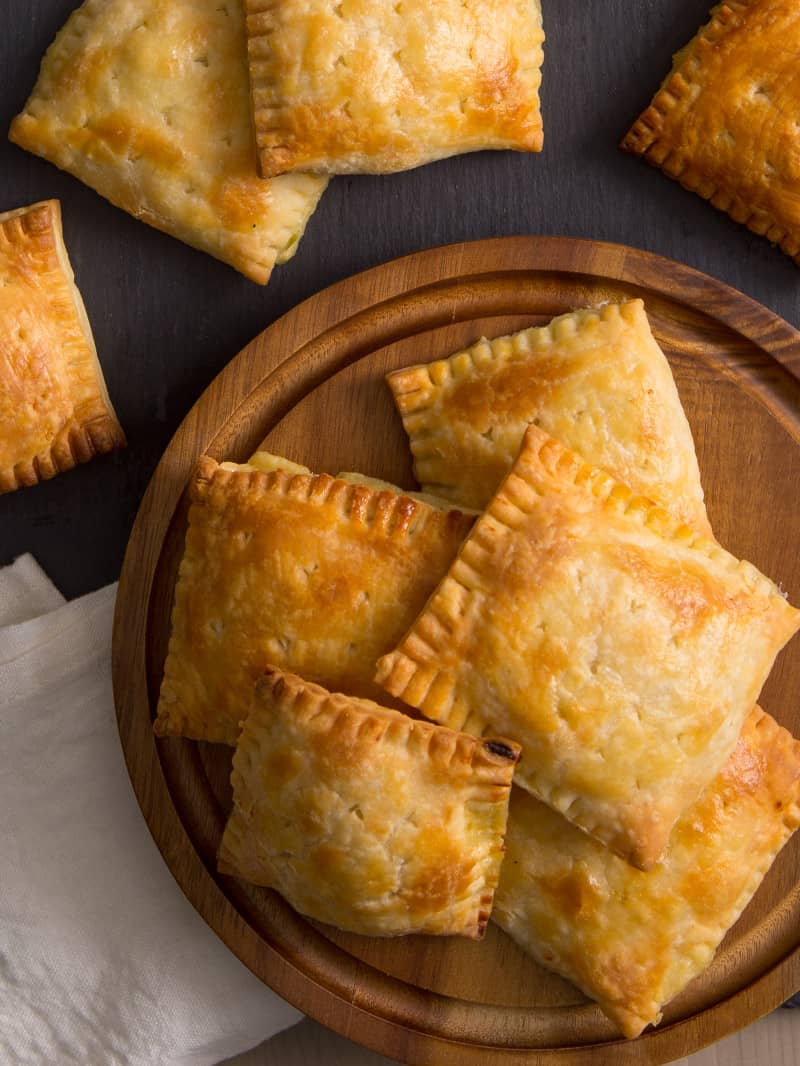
[[166, 318]]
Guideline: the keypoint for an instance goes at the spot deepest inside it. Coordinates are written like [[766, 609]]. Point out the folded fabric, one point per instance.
[[102, 959]]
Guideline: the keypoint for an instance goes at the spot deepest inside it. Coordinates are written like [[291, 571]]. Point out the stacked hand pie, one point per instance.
[[586, 623]]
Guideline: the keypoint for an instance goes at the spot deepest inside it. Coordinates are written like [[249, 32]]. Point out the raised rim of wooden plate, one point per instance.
[[325, 332]]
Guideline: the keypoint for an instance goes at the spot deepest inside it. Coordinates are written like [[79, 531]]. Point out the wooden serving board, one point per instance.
[[311, 387]]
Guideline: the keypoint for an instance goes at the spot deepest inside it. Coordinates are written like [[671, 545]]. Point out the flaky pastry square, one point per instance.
[[633, 940], [148, 103], [595, 379], [621, 649], [364, 818], [723, 122], [54, 407], [306, 572], [373, 86]]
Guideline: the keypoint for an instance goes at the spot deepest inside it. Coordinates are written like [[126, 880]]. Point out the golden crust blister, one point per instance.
[[54, 408], [633, 940], [621, 649], [374, 86], [364, 818], [306, 572], [723, 121], [148, 103], [595, 379]]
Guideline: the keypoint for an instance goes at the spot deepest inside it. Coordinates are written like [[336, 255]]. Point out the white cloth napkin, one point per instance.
[[103, 962]]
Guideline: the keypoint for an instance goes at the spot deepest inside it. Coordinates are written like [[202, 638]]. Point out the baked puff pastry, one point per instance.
[[54, 408], [595, 379], [306, 572], [148, 103], [633, 940], [364, 818], [621, 649], [374, 86], [723, 122]]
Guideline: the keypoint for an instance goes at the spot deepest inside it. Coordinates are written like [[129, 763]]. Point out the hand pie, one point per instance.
[[634, 940], [364, 818], [148, 103], [723, 122], [54, 408], [619, 648], [596, 379], [306, 572], [347, 87]]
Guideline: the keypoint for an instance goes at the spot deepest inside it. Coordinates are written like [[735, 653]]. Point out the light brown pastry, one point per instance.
[[617, 646], [634, 940], [373, 86], [148, 103], [723, 122], [595, 379], [363, 817], [306, 572], [54, 408]]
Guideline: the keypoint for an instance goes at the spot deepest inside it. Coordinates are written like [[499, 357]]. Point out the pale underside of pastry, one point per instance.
[[633, 940], [621, 649], [373, 86], [364, 818], [723, 122], [148, 103], [306, 572], [595, 379], [54, 407]]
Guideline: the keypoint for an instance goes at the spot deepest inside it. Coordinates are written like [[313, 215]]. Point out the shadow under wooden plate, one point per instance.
[[311, 387]]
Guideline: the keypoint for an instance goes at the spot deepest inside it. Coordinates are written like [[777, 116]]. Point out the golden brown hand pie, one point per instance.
[[148, 103], [723, 122], [634, 940], [54, 408], [364, 818], [596, 379], [618, 647], [372, 86], [306, 572]]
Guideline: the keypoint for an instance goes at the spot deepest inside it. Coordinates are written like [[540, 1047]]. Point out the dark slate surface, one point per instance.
[[167, 318]]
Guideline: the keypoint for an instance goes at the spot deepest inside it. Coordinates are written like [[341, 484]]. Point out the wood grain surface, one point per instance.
[[311, 387]]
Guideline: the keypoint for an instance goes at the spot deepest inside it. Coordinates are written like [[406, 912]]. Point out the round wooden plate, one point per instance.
[[311, 387]]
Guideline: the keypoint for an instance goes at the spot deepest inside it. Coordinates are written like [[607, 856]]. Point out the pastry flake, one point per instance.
[[595, 379], [148, 103], [374, 86], [54, 408], [633, 940], [621, 649], [364, 818], [723, 121], [301, 571]]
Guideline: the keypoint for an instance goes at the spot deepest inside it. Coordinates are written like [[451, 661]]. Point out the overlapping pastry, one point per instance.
[[595, 379], [306, 572], [148, 103], [54, 407], [634, 940], [373, 86], [364, 818], [723, 122], [621, 649]]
